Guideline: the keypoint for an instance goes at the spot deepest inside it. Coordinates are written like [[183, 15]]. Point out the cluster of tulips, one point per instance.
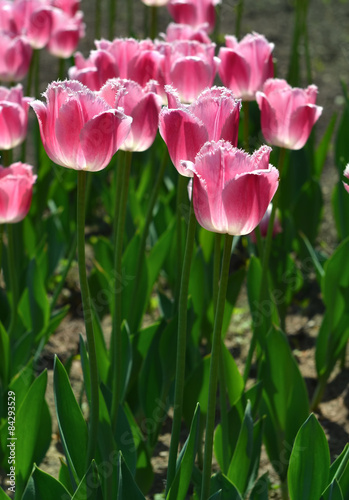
[[32, 25], [118, 98]]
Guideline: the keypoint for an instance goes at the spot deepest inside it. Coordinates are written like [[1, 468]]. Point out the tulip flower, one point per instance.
[[214, 115], [231, 189], [142, 104], [194, 12], [94, 71], [70, 7], [78, 129], [15, 57], [185, 32], [34, 19], [189, 66], [346, 174], [287, 114], [135, 60], [16, 188], [245, 66], [13, 117], [66, 33]]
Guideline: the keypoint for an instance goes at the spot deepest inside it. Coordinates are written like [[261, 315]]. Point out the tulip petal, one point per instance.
[[246, 199], [102, 136], [301, 123], [67, 131], [190, 76], [234, 72], [184, 135], [11, 132]]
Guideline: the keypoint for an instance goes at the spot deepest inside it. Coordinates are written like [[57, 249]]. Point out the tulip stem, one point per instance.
[[154, 22], [12, 278], [215, 357], [239, 10], [61, 68], [181, 188], [6, 155], [117, 318], [216, 267], [1, 243], [87, 308], [181, 348], [145, 230], [265, 263]]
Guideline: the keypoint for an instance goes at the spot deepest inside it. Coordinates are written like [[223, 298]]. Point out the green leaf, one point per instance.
[[38, 300], [42, 486], [333, 492], [196, 389], [261, 488], [129, 488], [234, 381], [323, 147], [71, 423], [64, 476], [3, 495], [28, 419], [185, 462], [234, 420], [244, 464], [4, 357], [90, 486], [309, 202], [285, 399], [228, 489], [309, 466]]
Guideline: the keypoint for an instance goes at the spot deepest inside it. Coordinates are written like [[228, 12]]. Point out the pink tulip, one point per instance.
[[245, 66], [213, 116], [66, 33], [185, 32], [135, 60], [33, 18], [70, 7], [16, 188], [6, 18], [346, 174], [78, 129], [15, 57], [194, 12], [189, 66], [264, 223], [142, 104], [94, 71], [287, 114], [13, 117], [231, 189]]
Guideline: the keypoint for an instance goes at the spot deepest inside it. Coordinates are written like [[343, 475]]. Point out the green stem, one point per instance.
[[145, 230], [12, 277], [130, 17], [63, 276], [87, 308], [180, 210], [318, 393], [117, 318], [223, 412], [154, 22], [216, 267], [181, 349], [6, 156], [1, 242], [239, 10], [264, 292], [246, 134], [61, 68], [215, 356]]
